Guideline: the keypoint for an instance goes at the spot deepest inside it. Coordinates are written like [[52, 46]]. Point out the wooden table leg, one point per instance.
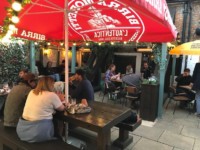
[[103, 140]]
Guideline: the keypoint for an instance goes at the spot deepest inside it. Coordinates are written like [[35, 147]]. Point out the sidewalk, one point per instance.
[[180, 131]]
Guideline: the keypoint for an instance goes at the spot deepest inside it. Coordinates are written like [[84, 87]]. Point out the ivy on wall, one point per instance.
[[13, 58]]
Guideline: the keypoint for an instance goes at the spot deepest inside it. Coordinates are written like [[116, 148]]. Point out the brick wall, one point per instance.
[[179, 19]]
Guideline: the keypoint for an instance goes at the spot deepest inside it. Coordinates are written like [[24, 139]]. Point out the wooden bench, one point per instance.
[[124, 138], [121, 142], [10, 141]]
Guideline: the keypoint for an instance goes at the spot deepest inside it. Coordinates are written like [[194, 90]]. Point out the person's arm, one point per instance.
[[77, 91], [107, 76], [61, 108], [179, 78]]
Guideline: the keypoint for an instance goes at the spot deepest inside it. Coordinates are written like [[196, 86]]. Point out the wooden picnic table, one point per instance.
[[100, 120]]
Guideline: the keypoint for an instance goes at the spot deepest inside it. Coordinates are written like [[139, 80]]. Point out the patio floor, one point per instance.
[[180, 131]]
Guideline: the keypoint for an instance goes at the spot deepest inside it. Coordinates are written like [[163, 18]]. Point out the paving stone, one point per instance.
[[148, 132], [146, 144], [172, 127], [191, 132], [197, 145], [177, 140], [177, 148], [186, 122]]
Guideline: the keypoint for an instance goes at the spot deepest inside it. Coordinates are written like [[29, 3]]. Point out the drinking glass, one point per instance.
[[73, 101]]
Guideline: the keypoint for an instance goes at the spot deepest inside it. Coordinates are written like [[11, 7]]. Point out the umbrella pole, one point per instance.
[[66, 64], [66, 50]]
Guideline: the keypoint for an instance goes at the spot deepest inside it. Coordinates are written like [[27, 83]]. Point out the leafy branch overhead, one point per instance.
[[13, 57]]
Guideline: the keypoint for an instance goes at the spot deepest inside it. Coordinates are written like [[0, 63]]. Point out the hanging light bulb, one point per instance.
[[125, 42], [99, 44], [9, 32], [15, 19], [74, 44], [17, 6], [112, 43], [61, 44], [87, 44], [11, 27], [36, 43], [5, 40], [48, 43]]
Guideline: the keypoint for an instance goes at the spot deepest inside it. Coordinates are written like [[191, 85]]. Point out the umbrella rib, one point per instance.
[[53, 4], [35, 3], [49, 12]]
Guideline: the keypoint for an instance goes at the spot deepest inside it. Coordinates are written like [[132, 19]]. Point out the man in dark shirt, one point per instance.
[[146, 71], [183, 79], [84, 89]]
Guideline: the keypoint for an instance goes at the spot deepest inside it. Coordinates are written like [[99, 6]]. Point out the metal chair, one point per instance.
[[132, 94], [113, 93], [177, 97]]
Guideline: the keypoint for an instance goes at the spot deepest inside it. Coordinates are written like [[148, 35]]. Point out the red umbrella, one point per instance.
[[95, 20]]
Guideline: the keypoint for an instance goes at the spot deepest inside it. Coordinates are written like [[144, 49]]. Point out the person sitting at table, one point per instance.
[[135, 81], [36, 124], [129, 69], [22, 72], [132, 79], [146, 71], [84, 89], [49, 71], [184, 80], [16, 99], [110, 74]]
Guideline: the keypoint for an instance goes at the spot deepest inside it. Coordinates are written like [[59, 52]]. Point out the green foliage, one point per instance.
[[13, 57]]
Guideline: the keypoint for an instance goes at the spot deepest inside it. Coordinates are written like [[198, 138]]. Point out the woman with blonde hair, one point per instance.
[[110, 74], [36, 124]]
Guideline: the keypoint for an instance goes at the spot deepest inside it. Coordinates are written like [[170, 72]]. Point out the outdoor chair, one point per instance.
[[178, 98], [112, 92], [133, 95]]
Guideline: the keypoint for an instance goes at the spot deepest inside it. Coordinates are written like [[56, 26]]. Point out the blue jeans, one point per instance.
[[197, 98]]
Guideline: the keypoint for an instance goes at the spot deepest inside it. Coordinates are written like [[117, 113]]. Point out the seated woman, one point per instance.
[[36, 124], [110, 74], [49, 71]]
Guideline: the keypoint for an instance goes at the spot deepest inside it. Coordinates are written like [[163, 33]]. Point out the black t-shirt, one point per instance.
[[146, 73]]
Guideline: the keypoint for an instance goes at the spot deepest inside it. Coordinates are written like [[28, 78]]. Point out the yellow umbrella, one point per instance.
[[189, 48]]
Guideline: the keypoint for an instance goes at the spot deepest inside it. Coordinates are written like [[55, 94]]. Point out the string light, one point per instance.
[[16, 6], [12, 16], [11, 27], [15, 19]]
